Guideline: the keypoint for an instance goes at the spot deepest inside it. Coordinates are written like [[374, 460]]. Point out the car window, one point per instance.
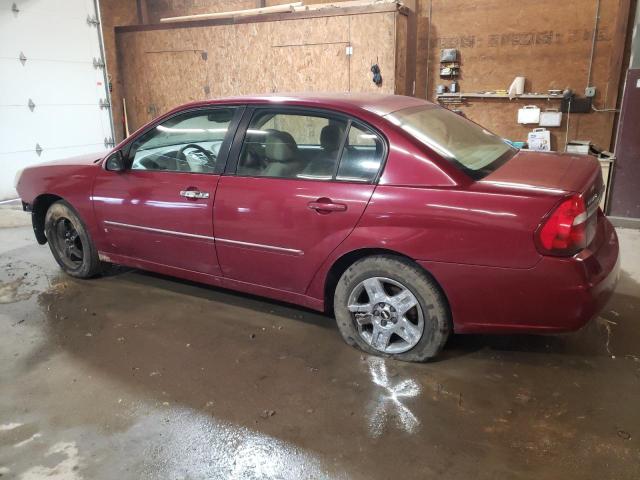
[[185, 143], [362, 155], [288, 145], [468, 146]]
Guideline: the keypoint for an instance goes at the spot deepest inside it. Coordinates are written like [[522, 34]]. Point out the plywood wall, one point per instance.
[[547, 41], [165, 68], [116, 13]]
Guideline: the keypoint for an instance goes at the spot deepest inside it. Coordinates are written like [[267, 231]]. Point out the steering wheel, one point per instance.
[[210, 156]]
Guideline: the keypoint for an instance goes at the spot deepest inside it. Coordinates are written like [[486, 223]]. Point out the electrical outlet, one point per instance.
[[590, 92]]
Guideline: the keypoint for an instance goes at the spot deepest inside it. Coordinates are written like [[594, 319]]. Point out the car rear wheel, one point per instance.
[[70, 242], [386, 305]]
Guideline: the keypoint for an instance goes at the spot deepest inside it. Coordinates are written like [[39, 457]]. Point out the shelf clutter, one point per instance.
[[529, 96]]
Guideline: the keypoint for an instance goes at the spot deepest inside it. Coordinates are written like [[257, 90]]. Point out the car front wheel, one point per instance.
[[388, 306], [70, 242]]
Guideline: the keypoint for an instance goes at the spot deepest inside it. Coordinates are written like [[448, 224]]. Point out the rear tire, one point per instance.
[[70, 242], [388, 306]]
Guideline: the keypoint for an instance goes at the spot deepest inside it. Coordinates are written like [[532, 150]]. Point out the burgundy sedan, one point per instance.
[[407, 220]]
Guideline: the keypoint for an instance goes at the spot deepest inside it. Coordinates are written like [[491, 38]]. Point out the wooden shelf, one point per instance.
[[527, 96]]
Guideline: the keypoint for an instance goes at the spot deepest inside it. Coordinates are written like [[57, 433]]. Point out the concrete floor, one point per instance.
[[134, 375]]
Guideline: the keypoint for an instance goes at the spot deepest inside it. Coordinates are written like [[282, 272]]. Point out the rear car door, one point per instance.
[[298, 181], [160, 209]]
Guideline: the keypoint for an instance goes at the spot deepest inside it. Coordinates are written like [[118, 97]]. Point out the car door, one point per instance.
[[297, 184], [160, 208]]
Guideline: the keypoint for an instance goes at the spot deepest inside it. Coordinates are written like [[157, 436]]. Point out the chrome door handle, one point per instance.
[[193, 194], [327, 207]]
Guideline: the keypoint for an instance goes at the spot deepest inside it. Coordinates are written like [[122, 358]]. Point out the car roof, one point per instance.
[[376, 103]]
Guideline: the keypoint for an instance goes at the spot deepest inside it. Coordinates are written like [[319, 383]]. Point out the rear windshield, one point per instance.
[[467, 145]]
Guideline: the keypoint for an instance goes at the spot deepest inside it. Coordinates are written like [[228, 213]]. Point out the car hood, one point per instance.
[[546, 172], [85, 159]]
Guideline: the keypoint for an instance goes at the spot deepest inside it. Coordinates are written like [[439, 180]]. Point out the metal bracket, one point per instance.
[[97, 63], [92, 21], [14, 8], [39, 149], [109, 143], [104, 103], [22, 58], [31, 105]]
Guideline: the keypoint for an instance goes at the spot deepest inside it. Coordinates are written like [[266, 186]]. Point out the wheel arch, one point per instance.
[[39, 210], [343, 262]]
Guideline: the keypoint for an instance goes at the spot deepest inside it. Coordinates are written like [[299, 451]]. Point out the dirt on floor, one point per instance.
[[135, 375]]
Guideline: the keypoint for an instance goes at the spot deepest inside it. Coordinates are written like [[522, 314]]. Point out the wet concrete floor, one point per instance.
[[135, 375]]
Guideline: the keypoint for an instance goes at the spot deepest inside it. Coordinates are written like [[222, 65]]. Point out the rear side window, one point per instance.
[[311, 146], [362, 155], [285, 145]]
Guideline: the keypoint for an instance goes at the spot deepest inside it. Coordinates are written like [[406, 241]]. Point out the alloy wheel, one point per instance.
[[387, 314]]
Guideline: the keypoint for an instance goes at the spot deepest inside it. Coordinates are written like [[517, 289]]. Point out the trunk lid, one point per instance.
[[559, 172], [555, 174]]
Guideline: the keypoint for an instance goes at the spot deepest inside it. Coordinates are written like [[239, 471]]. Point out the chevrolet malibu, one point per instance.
[[406, 220]]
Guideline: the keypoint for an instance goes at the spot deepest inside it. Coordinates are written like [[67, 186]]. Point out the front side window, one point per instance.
[[470, 147], [189, 142]]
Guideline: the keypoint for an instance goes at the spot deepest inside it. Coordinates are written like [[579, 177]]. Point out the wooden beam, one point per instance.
[[614, 83], [346, 4], [143, 12], [287, 7], [268, 17]]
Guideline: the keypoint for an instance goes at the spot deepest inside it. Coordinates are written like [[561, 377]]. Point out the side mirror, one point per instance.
[[115, 162]]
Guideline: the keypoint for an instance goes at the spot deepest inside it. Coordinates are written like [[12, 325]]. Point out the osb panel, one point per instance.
[[373, 41], [401, 54], [535, 40], [310, 30], [167, 70], [133, 63], [311, 68], [164, 68]]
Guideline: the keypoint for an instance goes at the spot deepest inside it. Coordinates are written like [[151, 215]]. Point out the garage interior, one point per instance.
[[138, 375]]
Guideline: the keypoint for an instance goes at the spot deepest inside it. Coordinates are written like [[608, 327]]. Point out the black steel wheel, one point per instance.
[[70, 242]]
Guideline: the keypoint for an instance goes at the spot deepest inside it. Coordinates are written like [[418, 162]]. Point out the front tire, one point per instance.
[[70, 242], [388, 306]]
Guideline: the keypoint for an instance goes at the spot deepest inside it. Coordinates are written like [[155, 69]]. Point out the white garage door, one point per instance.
[[52, 96]]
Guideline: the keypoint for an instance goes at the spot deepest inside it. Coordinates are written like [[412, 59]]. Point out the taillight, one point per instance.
[[564, 231]]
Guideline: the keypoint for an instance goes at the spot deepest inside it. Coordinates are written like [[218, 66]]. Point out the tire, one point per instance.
[[70, 242], [396, 284]]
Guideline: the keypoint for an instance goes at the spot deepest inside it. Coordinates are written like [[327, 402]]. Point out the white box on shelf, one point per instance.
[[529, 114], [539, 139], [550, 118]]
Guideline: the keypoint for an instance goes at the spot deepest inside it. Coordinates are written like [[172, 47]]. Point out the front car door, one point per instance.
[[301, 181], [160, 209]]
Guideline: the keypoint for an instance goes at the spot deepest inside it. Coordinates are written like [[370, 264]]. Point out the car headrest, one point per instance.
[[280, 146], [330, 138]]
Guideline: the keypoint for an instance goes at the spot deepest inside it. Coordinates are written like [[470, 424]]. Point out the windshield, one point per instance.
[[470, 147]]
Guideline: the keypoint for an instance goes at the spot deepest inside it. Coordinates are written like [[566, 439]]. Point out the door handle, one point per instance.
[[326, 206], [193, 194]]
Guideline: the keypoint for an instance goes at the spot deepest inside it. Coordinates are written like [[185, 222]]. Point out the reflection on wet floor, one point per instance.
[[135, 375]]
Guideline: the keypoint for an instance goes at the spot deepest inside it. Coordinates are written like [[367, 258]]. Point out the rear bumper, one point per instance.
[[557, 295]]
